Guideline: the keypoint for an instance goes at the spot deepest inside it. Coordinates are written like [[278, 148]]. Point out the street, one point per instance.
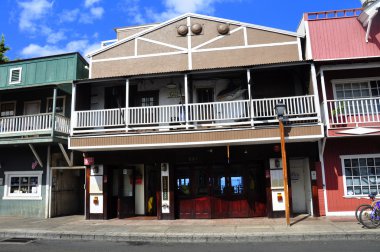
[[97, 246]]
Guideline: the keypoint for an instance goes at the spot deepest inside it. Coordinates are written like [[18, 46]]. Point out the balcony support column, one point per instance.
[[315, 91], [126, 114], [250, 97], [323, 85], [186, 101], [73, 121], [53, 112]]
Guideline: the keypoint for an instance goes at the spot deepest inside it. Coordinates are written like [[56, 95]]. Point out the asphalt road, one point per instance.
[[96, 246]]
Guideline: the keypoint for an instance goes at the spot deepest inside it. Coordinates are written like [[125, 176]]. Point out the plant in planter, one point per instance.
[[337, 115]]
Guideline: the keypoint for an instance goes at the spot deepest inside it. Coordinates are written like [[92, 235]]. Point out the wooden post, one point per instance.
[[53, 113], [285, 172]]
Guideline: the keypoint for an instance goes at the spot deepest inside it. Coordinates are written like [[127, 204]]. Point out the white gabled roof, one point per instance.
[[173, 20]]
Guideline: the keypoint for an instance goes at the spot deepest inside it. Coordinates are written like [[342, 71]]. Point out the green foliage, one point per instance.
[[3, 50]]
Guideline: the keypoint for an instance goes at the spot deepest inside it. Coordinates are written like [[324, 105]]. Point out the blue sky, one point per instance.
[[35, 28]]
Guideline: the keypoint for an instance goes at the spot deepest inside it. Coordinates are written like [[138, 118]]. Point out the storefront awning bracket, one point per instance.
[[36, 155], [68, 160]]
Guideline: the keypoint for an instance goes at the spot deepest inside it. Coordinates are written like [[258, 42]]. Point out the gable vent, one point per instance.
[[15, 75]]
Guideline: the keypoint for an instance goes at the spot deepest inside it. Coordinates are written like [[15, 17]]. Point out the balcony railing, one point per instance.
[[353, 112], [38, 123], [258, 111]]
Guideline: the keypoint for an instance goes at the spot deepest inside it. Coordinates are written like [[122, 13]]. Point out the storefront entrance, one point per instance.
[[220, 191]]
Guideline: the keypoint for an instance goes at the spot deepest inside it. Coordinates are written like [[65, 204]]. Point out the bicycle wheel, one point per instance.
[[358, 209], [369, 218]]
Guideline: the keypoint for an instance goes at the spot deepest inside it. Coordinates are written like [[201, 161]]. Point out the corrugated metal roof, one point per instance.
[[276, 64], [343, 38]]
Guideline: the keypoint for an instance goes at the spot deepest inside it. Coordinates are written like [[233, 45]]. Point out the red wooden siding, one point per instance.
[[340, 38], [321, 197], [333, 169]]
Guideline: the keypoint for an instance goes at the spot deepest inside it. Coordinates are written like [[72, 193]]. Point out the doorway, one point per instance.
[[67, 192], [301, 186], [32, 107]]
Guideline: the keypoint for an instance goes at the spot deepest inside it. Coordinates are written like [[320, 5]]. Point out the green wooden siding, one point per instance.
[[47, 70]]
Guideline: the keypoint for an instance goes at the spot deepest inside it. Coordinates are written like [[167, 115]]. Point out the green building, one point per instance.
[[35, 165]]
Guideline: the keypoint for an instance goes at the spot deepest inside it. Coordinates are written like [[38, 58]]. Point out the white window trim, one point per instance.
[[8, 175], [10, 75], [58, 97], [344, 81], [14, 106], [342, 157]]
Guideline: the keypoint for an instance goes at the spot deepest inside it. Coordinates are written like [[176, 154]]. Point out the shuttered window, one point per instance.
[[15, 75]]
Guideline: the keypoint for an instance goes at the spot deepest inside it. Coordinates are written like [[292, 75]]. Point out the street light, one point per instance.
[[280, 111]]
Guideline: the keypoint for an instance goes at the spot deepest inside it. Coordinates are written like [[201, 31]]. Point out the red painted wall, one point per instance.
[[333, 168]]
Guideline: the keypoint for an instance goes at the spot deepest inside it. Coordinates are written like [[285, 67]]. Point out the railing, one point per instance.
[[218, 111], [99, 118], [333, 14], [157, 114], [258, 111], [353, 112], [297, 108], [33, 123]]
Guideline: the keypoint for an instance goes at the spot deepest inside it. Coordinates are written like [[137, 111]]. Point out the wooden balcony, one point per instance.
[[340, 115], [194, 116], [33, 127]]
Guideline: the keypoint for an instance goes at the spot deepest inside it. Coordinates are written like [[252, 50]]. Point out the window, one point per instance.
[[7, 109], [15, 75], [361, 174], [60, 105], [23, 185], [357, 89]]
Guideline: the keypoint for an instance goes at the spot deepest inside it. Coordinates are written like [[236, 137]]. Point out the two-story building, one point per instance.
[[37, 172], [178, 120], [345, 46]]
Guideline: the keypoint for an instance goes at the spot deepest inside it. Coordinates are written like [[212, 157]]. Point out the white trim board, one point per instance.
[[341, 214], [197, 51]]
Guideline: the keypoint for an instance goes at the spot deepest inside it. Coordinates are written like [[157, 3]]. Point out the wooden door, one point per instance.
[[126, 197], [206, 111]]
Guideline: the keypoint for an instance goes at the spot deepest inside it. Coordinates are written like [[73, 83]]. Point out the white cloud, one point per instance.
[[89, 3], [83, 46], [55, 37], [97, 12], [69, 15], [173, 8], [32, 11]]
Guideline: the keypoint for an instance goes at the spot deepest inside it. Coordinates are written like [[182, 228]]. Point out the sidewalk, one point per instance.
[[226, 230]]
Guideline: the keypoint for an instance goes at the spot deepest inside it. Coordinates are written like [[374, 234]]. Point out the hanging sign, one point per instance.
[[89, 161], [165, 200]]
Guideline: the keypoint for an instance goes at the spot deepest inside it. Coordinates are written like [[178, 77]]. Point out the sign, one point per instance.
[[165, 197], [313, 175], [89, 161]]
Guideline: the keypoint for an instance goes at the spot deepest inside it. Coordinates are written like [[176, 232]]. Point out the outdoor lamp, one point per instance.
[[280, 110]]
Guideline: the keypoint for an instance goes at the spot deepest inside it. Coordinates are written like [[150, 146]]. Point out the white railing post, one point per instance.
[[126, 114], [251, 113], [315, 91], [53, 119], [73, 113], [323, 85], [186, 101]]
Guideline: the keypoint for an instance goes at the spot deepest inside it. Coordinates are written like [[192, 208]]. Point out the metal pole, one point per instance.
[[285, 172]]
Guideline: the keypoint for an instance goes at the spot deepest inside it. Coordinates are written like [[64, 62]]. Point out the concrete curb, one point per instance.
[[189, 237]]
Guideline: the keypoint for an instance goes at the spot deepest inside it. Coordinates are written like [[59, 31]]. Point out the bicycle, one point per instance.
[[370, 216], [372, 197]]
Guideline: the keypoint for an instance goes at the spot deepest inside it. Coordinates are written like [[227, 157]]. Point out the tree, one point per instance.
[[3, 50]]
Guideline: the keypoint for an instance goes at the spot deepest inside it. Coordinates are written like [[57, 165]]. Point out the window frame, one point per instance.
[[342, 158], [334, 82], [58, 97], [14, 107], [29, 196], [19, 77]]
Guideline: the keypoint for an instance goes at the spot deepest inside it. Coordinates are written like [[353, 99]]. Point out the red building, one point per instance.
[[345, 46]]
